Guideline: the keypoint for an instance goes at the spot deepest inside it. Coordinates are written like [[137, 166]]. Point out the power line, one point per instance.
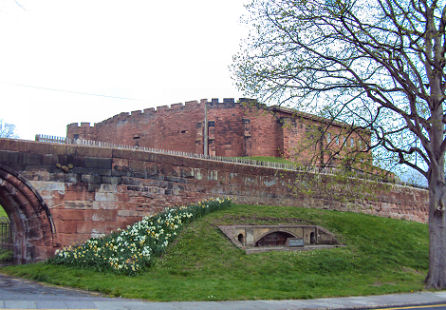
[[19, 5], [69, 91]]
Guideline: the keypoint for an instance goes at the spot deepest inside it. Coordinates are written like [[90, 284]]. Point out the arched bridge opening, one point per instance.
[[32, 227]]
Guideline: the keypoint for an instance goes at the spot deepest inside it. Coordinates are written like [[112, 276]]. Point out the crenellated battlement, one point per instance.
[[164, 109], [229, 102], [82, 130], [80, 125]]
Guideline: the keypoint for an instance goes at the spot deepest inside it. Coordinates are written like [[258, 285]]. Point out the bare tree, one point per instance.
[[376, 64], [7, 130]]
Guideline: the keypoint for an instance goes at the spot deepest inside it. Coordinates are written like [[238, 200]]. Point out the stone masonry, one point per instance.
[[59, 194]]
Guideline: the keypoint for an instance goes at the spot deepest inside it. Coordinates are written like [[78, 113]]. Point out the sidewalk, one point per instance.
[[44, 301]]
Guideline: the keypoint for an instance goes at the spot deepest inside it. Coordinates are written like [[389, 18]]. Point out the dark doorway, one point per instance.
[[312, 238], [240, 238]]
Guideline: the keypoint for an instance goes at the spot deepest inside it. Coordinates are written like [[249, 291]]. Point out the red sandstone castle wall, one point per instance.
[[177, 128], [225, 129], [265, 132], [309, 140], [234, 129], [82, 131]]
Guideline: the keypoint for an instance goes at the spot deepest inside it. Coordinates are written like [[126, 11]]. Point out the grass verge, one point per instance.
[[381, 256], [269, 159]]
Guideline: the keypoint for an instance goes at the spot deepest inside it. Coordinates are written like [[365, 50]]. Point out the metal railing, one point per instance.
[[233, 160], [236, 160], [5, 234]]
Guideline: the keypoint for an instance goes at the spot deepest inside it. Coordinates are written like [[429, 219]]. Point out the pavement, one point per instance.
[[23, 294]]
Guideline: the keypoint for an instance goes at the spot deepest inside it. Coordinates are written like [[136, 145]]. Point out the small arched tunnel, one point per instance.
[[276, 238], [32, 227]]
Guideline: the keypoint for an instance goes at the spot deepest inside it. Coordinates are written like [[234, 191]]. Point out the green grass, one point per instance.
[[3, 212], [381, 256], [269, 159]]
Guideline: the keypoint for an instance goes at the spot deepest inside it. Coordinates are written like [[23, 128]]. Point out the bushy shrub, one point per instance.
[[131, 250]]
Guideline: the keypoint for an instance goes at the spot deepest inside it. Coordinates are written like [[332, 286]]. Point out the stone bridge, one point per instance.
[[61, 194]]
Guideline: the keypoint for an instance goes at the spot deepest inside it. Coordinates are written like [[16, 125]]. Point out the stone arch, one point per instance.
[[32, 226], [279, 233]]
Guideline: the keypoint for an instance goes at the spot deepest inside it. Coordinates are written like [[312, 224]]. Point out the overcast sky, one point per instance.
[[64, 61]]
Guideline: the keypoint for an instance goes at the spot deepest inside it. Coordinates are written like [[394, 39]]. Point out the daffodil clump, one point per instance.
[[130, 250]]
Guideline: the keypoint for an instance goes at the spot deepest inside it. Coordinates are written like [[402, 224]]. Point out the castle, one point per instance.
[[229, 128]]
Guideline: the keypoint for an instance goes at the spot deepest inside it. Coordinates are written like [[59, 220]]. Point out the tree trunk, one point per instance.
[[436, 277]]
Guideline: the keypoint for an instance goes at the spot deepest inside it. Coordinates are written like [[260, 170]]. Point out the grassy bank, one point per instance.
[[381, 256]]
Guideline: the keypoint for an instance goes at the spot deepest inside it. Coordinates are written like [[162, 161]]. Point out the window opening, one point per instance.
[[136, 140]]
